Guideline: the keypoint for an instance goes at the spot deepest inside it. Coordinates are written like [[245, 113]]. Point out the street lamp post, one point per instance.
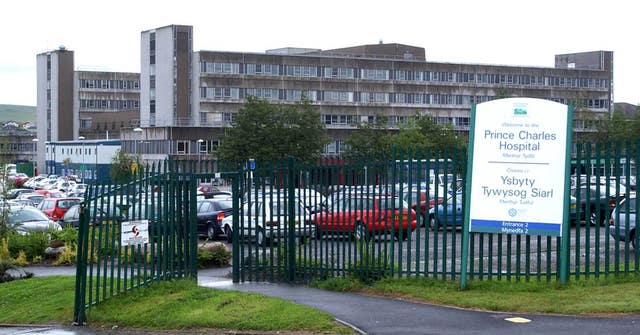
[[82, 167], [139, 131], [200, 141], [35, 156]]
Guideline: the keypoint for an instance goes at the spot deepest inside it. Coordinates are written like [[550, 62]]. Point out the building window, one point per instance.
[[338, 72], [86, 123], [183, 147], [375, 74]]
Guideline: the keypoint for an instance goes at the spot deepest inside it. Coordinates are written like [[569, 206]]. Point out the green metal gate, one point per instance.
[[158, 241]]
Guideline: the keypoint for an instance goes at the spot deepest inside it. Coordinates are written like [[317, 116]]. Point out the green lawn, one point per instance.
[[585, 297], [166, 305]]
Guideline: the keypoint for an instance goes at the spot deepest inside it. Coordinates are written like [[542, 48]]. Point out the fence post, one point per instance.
[[235, 245], [291, 222], [81, 269]]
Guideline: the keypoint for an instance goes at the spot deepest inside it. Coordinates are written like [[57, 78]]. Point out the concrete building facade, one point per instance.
[[349, 86], [188, 98], [76, 105]]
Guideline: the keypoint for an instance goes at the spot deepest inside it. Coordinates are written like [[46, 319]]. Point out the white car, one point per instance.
[[264, 220]]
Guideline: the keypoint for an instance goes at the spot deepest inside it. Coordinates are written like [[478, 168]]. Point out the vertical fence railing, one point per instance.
[[158, 205], [350, 235]]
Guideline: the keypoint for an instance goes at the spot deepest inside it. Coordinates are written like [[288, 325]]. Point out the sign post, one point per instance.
[[517, 181]]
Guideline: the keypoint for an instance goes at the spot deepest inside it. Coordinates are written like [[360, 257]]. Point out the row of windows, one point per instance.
[[235, 93], [110, 84], [402, 75], [109, 104], [88, 124], [350, 120]]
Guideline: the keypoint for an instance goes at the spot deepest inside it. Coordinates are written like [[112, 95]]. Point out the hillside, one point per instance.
[[18, 113]]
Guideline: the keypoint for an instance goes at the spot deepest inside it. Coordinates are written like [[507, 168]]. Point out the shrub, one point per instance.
[[32, 243], [68, 236], [67, 256], [21, 259], [215, 254]]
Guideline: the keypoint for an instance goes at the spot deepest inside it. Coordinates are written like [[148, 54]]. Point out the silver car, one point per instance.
[[622, 224], [29, 219], [264, 220]]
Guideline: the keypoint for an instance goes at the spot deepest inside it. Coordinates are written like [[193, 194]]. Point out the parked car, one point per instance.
[[211, 212], [72, 217], [36, 198], [596, 201], [19, 179], [265, 219], [29, 219], [449, 214], [622, 223], [31, 183], [50, 193], [56, 207], [15, 192], [421, 206], [366, 216]]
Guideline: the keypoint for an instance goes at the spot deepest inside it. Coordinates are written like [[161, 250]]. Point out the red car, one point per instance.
[[56, 207], [20, 179], [365, 216]]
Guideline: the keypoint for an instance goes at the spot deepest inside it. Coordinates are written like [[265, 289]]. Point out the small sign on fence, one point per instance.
[[134, 233]]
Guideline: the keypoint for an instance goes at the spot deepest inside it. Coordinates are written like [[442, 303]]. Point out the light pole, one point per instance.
[[82, 167], [35, 156], [139, 131]]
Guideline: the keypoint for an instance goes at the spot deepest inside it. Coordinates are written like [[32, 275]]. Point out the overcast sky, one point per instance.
[[105, 35]]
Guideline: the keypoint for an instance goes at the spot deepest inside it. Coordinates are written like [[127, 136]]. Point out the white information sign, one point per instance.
[[519, 153], [134, 232]]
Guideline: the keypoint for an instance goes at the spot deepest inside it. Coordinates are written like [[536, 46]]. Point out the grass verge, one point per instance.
[[165, 305], [604, 296]]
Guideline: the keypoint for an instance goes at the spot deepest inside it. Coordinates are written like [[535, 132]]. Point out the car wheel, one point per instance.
[[433, 224], [261, 238], [211, 231], [401, 235], [593, 219], [318, 233], [633, 239], [229, 233], [362, 233]]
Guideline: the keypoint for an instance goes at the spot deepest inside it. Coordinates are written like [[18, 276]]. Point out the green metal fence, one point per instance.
[[135, 233], [395, 217], [304, 221]]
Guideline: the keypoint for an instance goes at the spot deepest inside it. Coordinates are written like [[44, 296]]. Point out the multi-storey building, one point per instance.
[[187, 99], [77, 105], [184, 99]]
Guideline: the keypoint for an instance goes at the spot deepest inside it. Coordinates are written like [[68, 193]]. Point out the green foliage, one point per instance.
[[32, 243], [370, 265], [121, 167], [616, 127], [215, 254], [268, 132], [68, 256], [370, 141], [68, 236], [375, 140], [21, 260], [426, 133]]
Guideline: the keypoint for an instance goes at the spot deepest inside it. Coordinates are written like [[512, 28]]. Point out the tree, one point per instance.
[[122, 167], [426, 133], [372, 140], [268, 132]]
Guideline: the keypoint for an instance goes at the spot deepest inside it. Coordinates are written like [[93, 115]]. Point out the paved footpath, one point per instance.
[[373, 315]]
